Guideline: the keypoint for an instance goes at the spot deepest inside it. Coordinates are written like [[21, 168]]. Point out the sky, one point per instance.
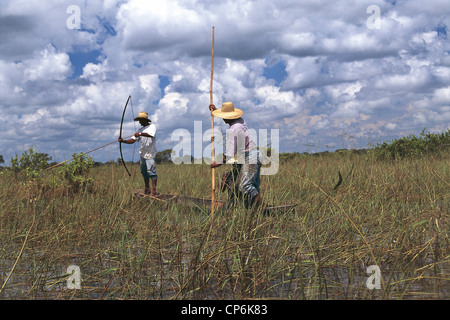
[[323, 75]]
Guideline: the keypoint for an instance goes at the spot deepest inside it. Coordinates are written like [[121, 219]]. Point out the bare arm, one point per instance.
[[215, 164], [137, 134]]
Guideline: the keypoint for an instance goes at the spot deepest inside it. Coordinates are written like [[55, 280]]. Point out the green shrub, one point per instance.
[[427, 144], [30, 162], [75, 173]]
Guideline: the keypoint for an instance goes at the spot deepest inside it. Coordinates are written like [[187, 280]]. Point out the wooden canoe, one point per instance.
[[201, 202], [190, 201]]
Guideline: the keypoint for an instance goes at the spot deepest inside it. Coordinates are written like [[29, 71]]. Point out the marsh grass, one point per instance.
[[393, 214]]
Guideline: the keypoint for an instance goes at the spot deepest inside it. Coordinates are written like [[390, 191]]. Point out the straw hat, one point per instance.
[[142, 115], [228, 111]]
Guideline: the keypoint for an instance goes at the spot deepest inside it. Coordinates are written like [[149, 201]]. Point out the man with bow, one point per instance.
[[147, 151]]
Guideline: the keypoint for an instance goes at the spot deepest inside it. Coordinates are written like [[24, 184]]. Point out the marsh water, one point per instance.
[[132, 273]]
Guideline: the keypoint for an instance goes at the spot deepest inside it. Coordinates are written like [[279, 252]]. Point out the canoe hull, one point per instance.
[[200, 202]]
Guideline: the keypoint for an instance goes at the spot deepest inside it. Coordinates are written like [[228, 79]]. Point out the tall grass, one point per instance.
[[391, 214]]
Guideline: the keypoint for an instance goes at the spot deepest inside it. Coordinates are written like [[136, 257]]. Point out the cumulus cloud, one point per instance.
[[312, 69]]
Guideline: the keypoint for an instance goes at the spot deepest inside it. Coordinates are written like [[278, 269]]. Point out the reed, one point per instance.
[[393, 214]]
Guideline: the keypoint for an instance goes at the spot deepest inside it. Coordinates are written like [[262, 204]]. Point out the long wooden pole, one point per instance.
[[213, 182]]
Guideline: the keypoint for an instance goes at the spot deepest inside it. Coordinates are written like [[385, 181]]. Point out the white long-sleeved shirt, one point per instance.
[[148, 145]]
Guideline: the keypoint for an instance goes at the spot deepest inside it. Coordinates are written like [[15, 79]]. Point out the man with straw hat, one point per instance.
[[241, 151], [147, 150]]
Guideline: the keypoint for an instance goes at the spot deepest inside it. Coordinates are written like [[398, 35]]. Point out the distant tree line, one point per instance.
[[426, 144]]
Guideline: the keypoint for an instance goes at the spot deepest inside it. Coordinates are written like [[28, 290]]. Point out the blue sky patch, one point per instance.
[[442, 31], [276, 72], [80, 59], [163, 83]]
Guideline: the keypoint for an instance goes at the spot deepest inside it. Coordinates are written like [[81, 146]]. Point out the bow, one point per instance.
[[120, 135]]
